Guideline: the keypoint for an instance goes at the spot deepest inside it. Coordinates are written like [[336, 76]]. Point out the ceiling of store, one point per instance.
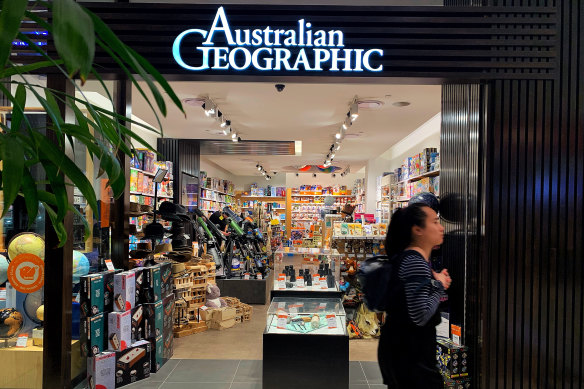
[[310, 113]]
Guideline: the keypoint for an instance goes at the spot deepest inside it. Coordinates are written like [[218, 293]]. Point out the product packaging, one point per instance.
[[452, 359], [101, 371], [166, 279], [167, 347], [119, 328], [92, 335], [153, 320], [124, 291], [139, 276], [156, 360], [133, 363], [221, 325], [151, 288], [168, 315], [459, 383], [137, 323], [108, 289], [91, 295]]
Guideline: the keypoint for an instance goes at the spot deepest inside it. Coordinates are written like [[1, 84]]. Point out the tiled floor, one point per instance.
[[238, 374]]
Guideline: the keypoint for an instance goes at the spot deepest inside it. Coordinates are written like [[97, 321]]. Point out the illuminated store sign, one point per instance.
[[272, 49]]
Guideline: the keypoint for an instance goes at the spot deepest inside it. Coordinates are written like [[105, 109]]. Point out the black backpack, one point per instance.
[[380, 283]]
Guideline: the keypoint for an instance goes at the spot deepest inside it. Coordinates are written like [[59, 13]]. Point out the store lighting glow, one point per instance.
[[226, 131], [338, 135], [263, 173], [354, 111], [209, 107], [332, 155], [259, 168], [234, 135], [225, 123], [338, 147]]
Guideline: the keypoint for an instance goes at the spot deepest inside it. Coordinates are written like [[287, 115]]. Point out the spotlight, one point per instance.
[[354, 111], [338, 147], [259, 167], [297, 174], [226, 131], [334, 175], [275, 173], [209, 107], [234, 135], [263, 173], [314, 175], [333, 155], [338, 135], [346, 123], [236, 139], [225, 123]]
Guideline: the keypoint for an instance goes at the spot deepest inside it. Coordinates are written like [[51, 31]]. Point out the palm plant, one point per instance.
[[75, 32]]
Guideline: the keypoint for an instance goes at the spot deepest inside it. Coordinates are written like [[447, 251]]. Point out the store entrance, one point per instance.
[[291, 158]]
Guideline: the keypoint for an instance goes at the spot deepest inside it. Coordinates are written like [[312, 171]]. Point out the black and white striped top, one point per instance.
[[422, 298]]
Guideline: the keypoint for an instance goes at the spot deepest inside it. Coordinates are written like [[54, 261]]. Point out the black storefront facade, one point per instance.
[[512, 151]]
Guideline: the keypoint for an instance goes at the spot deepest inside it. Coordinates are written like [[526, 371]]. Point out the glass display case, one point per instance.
[[304, 272], [306, 316]]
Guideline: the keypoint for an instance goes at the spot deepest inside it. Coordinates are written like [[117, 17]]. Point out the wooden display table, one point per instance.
[[23, 367]]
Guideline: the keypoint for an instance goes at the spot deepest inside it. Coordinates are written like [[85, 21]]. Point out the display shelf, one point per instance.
[[143, 172], [433, 173], [150, 195], [279, 198], [217, 201], [373, 237], [218, 191], [321, 195]]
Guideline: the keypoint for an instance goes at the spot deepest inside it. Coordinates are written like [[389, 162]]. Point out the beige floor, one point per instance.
[[244, 341]]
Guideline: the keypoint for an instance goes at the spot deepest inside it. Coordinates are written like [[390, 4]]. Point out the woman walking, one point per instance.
[[407, 347]]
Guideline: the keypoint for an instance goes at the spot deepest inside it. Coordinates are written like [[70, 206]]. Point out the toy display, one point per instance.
[[452, 359], [324, 316]]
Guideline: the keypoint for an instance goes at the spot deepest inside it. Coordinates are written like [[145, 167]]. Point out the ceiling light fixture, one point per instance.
[[225, 123], [209, 107], [263, 173], [234, 135], [338, 135]]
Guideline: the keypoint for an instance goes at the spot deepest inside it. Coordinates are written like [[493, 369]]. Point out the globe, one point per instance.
[[40, 313], [80, 266], [3, 269], [31, 303], [10, 323], [26, 242]]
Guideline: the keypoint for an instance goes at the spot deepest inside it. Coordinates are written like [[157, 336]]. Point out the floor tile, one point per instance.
[[356, 375], [358, 386], [246, 385], [161, 374], [146, 384], [204, 370], [378, 386], [372, 372], [249, 371], [195, 385]]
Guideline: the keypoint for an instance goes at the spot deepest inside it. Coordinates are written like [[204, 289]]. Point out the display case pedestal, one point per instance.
[[248, 291], [305, 361]]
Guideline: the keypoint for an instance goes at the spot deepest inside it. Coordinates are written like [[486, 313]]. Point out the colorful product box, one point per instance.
[[151, 290], [452, 359], [459, 383], [124, 291], [153, 320], [168, 318], [156, 359], [166, 279], [91, 295], [139, 285], [167, 347], [108, 289], [101, 371], [133, 363], [137, 323], [119, 328], [92, 335]]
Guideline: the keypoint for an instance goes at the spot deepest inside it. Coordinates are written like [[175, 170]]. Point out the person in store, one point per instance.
[[347, 213], [219, 218], [407, 347]]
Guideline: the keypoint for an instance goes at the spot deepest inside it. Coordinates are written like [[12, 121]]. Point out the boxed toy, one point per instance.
[[92, 335], [108, 289], [124, 291], [133, 363], [101, 371], [151, 288], [166, 279], [137, 323], [139, 277], [153, 314], [167, 347], [452, 360], [91, 295], [168, 317], [119, 329], [156, 360], [459, 383]]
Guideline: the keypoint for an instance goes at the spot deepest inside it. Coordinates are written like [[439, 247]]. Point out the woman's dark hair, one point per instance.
[[399, 232]]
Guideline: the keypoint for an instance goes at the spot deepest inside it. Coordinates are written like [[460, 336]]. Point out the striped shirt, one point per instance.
[[422, 298]]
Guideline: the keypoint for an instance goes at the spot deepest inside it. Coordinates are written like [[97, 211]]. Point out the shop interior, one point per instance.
[[286, 160]]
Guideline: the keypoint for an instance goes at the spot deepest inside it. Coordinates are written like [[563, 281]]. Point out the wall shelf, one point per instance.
[[433, 173]]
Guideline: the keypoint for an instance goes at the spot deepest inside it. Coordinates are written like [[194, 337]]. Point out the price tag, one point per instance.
[[315, 280], [322, 306], [282, 304], [246, 276], [259, 276], [300, 283], [323, 284], [109, 265], [281, 281], [22, 341], [293, 310], [282, 320], [331, 321]]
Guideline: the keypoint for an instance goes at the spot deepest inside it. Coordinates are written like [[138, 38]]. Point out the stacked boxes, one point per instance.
[[101, 371], [459, 383], [119, 328], [133, 364], [92, 335]]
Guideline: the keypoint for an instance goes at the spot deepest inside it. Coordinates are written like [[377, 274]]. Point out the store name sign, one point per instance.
[[273, 50]]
